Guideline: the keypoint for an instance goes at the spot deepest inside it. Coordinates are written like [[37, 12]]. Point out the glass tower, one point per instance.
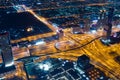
[[5, 50]]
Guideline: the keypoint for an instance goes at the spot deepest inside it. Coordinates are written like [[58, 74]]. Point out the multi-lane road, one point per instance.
[[84, 44], [87, 43]]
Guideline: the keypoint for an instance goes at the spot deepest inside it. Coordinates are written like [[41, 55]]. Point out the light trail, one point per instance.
[[95, 49], [43, 20]]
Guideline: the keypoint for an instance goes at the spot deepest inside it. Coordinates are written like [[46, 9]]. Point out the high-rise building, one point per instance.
[[6, 51], [108, 29], [110, 17]]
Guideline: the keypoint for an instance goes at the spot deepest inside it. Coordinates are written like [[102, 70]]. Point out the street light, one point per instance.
[[29, 29]]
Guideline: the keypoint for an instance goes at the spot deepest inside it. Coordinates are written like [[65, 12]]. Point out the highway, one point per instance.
[[82, 44], [42, 19], [98, 53], [89, 4]]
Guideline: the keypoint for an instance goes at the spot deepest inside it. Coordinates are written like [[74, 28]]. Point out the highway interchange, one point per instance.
[[87, 43]]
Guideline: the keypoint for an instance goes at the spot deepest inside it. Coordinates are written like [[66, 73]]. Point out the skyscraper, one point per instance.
[[110, 17], [6, 50]]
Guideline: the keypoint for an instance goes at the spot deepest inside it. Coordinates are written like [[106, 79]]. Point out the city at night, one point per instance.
[[59, 39]]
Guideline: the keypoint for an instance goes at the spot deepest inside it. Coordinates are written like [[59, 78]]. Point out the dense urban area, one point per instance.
[[59, 40]]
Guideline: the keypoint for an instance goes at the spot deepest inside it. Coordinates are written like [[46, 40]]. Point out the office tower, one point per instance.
[[110, 17], [6, 50]]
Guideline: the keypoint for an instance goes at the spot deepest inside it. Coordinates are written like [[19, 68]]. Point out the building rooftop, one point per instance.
[[58, 69]]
